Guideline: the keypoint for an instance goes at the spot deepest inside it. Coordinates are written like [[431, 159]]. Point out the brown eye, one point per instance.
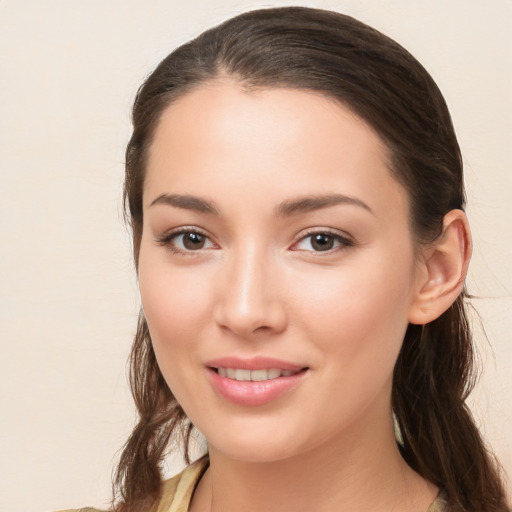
[[193, 241], [187, 241], [322, 242]]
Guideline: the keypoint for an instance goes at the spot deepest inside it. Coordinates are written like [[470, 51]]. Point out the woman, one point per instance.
[[295, 191]]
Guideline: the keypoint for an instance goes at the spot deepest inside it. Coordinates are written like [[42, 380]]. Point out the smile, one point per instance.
[[242, 374], [258, 386]]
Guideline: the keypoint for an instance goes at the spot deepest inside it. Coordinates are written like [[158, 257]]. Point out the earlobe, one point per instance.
[[443, 270]]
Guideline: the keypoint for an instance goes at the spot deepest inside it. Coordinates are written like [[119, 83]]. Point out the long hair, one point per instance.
[[381, 82]]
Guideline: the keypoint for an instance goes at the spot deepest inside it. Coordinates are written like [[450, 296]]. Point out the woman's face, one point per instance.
[[276, 247]]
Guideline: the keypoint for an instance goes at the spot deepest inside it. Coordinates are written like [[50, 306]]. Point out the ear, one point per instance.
[[442, 270]]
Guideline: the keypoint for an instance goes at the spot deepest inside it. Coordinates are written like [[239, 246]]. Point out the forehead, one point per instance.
[[230, 106], [269, 141]]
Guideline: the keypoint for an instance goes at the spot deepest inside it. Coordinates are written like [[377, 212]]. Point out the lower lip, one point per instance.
[[252, 393]]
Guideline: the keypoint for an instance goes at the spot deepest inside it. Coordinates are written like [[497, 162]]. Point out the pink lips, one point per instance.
[[253, 393]]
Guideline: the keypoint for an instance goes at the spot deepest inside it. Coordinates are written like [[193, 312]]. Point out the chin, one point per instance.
[[257, 447]]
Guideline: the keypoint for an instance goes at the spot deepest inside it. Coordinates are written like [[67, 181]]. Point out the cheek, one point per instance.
[[177, 308], [176, 302], [357, 322], [358, 314]]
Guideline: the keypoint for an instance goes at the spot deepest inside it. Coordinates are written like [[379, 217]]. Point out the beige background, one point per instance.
[[68, 73]]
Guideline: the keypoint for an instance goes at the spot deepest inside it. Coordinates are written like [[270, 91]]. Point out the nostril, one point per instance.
[[263, 328]]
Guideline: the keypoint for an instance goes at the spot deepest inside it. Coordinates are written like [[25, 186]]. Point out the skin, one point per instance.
[[257, 286]]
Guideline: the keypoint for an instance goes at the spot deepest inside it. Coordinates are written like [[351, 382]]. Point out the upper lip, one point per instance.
[[254, 363]]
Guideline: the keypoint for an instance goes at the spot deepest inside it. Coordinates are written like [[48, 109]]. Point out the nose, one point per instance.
[[250, 300]]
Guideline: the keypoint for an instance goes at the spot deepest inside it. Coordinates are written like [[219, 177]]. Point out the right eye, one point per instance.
[[184, 241]]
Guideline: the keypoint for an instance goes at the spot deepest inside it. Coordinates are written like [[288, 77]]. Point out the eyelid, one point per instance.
[[166, 238], [345, 239]]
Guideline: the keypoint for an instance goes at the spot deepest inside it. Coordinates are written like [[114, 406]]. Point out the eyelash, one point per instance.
[[344, 241], [167, 238]]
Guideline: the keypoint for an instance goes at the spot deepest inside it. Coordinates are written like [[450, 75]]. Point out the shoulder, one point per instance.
[[86, 509], [439, 504], [177, 491]]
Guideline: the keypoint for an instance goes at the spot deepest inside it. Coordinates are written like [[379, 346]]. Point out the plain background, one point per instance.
[[68, 73]]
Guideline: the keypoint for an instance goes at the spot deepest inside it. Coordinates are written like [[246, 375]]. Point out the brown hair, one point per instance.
[[380, 81]]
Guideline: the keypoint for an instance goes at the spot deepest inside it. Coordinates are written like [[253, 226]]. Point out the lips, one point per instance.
[[255, 381]]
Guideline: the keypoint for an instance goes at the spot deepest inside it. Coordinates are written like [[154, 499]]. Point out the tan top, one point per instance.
[[178, 491]]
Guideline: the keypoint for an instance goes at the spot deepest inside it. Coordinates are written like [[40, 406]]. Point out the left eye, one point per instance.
[[321, 242]]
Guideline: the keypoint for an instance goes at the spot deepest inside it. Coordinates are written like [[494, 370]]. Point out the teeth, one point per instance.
[[274, 373], [243, 374], [254, 375], [259, 375]]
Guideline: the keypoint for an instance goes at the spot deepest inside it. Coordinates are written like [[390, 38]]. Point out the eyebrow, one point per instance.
[[285, 209], [187, 202], [317, 202]]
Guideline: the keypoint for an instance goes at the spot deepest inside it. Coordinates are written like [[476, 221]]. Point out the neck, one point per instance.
[[364, 471]]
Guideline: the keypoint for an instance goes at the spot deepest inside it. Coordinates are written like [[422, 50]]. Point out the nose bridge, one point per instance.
[[249, 295]]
